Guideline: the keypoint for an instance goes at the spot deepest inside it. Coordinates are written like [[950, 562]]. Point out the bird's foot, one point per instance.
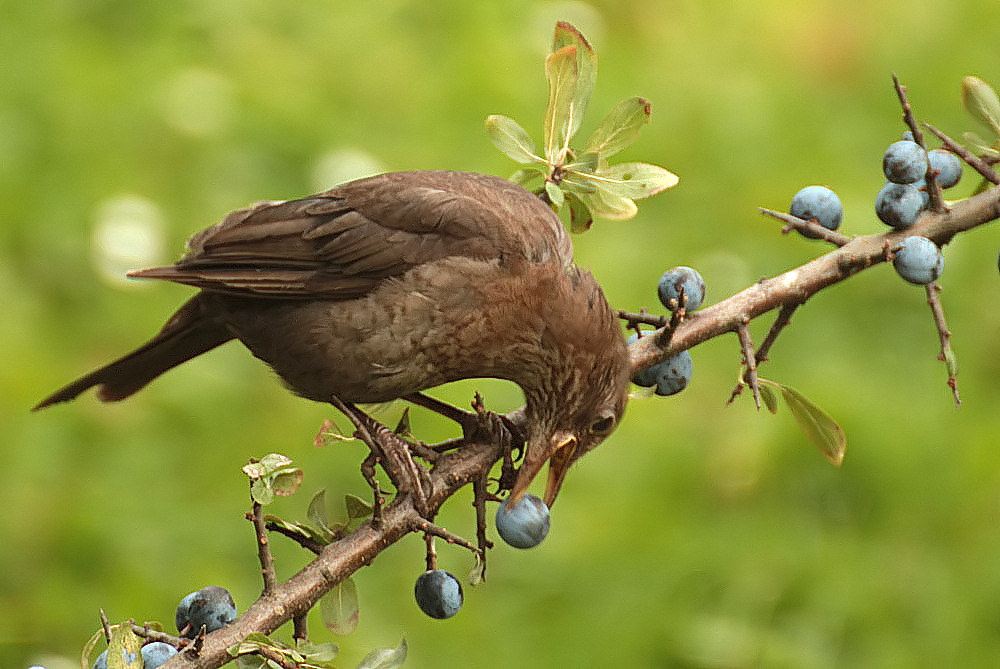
[[477, 425], [392, 452]]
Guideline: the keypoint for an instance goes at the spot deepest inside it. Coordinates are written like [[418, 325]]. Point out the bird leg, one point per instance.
[[392, 451], [477, 425], [368, 472]]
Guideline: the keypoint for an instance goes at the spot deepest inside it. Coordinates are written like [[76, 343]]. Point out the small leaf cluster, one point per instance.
[[581, 178], [272, 475]]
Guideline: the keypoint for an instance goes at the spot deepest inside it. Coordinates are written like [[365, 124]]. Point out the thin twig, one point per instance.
[[430, 529], [307, 543], [750, 360], [300, 627], [106, 626], [947, 355], [802, 225], [479, 495], [634, 320], [936, 200], [780, 323], [264, 549], [973, 161]]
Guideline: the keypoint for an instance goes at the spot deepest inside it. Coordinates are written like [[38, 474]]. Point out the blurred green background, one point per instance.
[[699, 535]]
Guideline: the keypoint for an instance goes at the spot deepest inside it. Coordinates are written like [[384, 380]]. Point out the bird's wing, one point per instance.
[[340, 244]]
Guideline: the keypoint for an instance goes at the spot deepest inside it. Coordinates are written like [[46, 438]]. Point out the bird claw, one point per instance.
[[393, 453]]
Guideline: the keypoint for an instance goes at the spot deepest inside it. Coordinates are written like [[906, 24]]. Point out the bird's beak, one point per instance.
[[558, 453]]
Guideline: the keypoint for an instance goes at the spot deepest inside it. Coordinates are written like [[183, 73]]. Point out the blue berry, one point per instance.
[[438, 593], [918, 260], [526, 524], [211, 606], [947, 165], [156, 653], [102, 660], [899, 205], [819, 203], [904, 162], [671, 283], [674, 374]]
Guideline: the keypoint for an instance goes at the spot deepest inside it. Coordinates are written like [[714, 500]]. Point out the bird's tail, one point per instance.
[[187, 334]]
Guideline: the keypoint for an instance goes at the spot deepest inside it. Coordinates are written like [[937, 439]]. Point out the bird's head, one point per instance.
[[580, 389]]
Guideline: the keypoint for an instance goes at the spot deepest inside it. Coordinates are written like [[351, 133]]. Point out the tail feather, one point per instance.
[[186, 335]]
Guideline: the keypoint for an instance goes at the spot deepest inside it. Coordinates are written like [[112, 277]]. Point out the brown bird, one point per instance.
[[390, 285]]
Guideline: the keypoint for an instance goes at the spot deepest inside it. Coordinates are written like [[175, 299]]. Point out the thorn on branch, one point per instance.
[[750, 361], [802, 225], [634, 320], [947, 355], [105, 625]]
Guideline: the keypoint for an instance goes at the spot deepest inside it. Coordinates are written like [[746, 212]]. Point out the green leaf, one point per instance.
[[620, 127], [562, 75], [322, 535], [339, 608], [318, 653], [385, 658], [951, 362], [526, 177], [512, 140], [981, 102], [555, 195], [579, 214], [823, 430], [316, 511], [605, 203], [287, 481], [768, 397], [567, 35], [262, 492], [637, 180], [478, 573], [357, 508], [123, 650]]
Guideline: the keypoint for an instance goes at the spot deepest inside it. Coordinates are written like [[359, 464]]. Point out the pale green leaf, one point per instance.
[[316, 511], [385, 658], [555, 194], [527, 177], [817, 424], [981, 102], [339, 608], [262, 492], [357, 508], [636, 180], [604, 203], [620, 127], [123, 649], [579, 214], [567, 35], [287, 481], [478, 572], [318, 653], [951, 362], [512, 140], [768, 397], [561, 73]]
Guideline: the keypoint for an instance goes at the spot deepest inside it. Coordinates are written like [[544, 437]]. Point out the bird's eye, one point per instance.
[[604, 424]]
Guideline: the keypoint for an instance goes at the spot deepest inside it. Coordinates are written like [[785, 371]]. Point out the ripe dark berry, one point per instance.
[[676, 279], [918, 260], [947, 165], [156, 653], [674, 374], [819, 203], [102, 660], [526, 524], [899, 205], [904, 162], [211, 606], [438, 593]]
